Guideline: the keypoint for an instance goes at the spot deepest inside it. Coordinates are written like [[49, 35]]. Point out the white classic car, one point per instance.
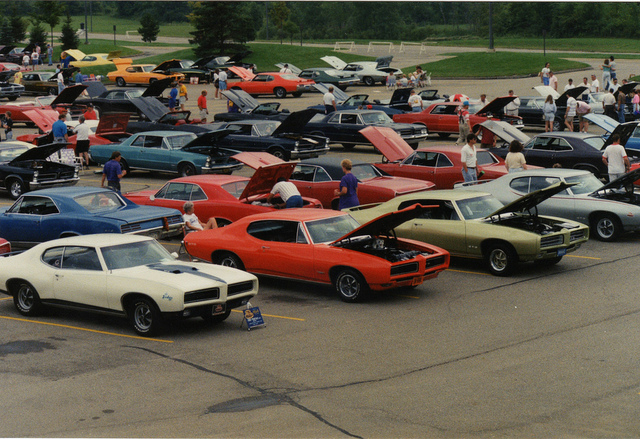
[[122, 274], [369, 72]]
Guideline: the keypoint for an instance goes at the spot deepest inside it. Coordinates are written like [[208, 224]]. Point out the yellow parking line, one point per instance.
[[407, 297], [275, 317], [469, 272], [6, 298], [583, 257], [86, 329]]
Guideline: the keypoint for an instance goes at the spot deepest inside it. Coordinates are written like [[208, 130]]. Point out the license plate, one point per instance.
[[417, 280], [218, 309], [562, 251]]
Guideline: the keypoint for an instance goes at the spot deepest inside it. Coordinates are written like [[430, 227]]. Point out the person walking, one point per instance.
[[25, 61], [202, 106], [544, 74], [553, 81], [622, 104], [515, 161], [60, 80], [609, 105], [549, 110], [615, 158], [348, 189], [35, 59], [7, 124], [50, 54], [595, 84], [82, 141], [288, 192], [329, 101], [173, 97], [469, 159], [113, 172], [415, 102], [222, 78], [216, 83], [464, 127]]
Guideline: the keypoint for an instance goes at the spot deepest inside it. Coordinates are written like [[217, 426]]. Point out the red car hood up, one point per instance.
[[112, 124], [256, 160], [43, 119], [265, 178], [243, 73], [388, 142]]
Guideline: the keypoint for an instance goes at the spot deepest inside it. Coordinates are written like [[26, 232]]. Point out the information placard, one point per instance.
[[253, 317]]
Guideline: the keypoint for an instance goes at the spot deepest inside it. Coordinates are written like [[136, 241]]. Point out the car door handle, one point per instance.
[[264, 247]]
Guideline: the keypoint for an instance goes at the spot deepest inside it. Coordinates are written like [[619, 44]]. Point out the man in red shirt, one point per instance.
[[90, 114], [202, 106]]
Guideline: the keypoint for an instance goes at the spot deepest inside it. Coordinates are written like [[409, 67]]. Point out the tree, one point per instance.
[[37, 35], [18, 28], [280, 13], [49, 12], [6, 36], [232, 27], [69, 39], [149, 28]]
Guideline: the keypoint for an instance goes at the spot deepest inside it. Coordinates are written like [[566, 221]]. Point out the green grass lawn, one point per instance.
[[104, 24], [495, 64]]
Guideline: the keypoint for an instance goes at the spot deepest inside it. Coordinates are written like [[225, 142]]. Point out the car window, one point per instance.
[[560, 145], [148, 68], [485, 158], [197, 193], [240, 129], [100, 201], [478, 207], [7, 154], [162, 193], [178, 191], [422, 158], [53, 256], [539, 144], [138, 141], [335, 118], [261, 78], [364, 171], [303, 173], [520, 185], [444, 211], [322, 175], [444, 162], [80, 258], [153, 142], [274, 230], [597, 142], [177, 142], [30, 205], [377, 117], [585, 184], [331, 229], [135, 254], [349, 119], [301, 238], [235, 188], [538, 183]]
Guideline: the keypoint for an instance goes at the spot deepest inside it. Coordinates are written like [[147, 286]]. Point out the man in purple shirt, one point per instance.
[[113, 172]]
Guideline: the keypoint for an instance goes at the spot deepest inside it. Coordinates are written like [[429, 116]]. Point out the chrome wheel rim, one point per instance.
[[606, 228], [143, 317], [498, 260], [229, 262], [26, 298], [348, 285]]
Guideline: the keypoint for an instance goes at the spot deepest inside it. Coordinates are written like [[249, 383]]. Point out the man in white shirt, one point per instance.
[[469, 159], [609, 105], [615, 157], [570, 113], [569, 85], [222, 80], [82, 141], [512, 107], [285, 69], [415, 102], [614, 86], [288, 192], [60, 80], [329, 101], [595, 84]]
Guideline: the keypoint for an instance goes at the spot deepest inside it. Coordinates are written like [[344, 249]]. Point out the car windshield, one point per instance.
[[177, 142], [266, 129], [7, 154], [289, 77], [364, 171], [331, 229], [236, 187], [596, 97], [375, 118], [100, 201], [135, 93], [186, 63], [148, 68], [596, 142], [478, 207], [135, 254], [45, 100], [586, 184]]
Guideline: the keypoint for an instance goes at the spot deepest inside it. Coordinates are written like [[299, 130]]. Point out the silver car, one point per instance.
[[609, 209]]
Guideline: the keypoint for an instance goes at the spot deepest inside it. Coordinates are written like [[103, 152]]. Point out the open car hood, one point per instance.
[[69, 94], [265, 178], [505, 131], [295, 122], [112, 124], [43, 119], [334, 62], [401, 95], [241, 99], [164, 65], [496, 105], [383, 224], [622, 182], [337, 93], [243, 73], [40, 152], [157, 87], [76, 54], [531, 200], [384, 61], [605, 122], [573, 92], [202, 62], [624, 130], [150, 107], [295, 70], [256, 160], [625, 88], [208, 138], [95, 88], [239, 56], [546, 90], [388, 142], [6, 49]]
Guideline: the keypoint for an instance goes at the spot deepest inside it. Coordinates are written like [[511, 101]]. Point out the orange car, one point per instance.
[[266, 83], [128, 73]]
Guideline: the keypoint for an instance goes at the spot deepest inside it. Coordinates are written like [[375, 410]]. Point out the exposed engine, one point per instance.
[[378, 247], [533, 224]]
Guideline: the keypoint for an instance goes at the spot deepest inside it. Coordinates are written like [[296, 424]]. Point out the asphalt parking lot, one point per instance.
[[548, 352]]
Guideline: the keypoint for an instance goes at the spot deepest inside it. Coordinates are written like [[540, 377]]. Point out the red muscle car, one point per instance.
[[61, 103], [267, 83], [438, 164], [320, 177], [224, 197], [323, 246]]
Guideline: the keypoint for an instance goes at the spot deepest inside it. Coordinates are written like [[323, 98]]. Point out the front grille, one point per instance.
[[238, 288], [177, 219], [56, 175], [577, 235], [130, 228], [411, 267], [432, 262], [550, 241], [202, 295]]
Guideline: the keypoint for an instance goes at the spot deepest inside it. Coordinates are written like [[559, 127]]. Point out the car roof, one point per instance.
[[209, 179], [68, 191], [442, 194], [567, 134], [299, 214], [443, 149], [164, 133], [555, 172], [100, 239]]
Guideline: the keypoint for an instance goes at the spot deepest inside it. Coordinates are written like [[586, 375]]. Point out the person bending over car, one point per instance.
[[288, 192]]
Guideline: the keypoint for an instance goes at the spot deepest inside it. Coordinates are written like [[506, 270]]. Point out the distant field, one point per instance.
[[104, 25]]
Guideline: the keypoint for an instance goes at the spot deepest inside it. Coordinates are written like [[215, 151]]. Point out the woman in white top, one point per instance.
[[549, 110], [515, 161], [191, 221]]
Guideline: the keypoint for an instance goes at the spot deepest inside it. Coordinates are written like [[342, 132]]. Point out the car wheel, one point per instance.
[[214, 320], [145, 316], [229, 260], [120, 82], [26, 299], [444, 135], [501, 260], [296, 94], [125, 166], [52, 91], [368, 80], [350, 285], [15, 188], [221, 222], [280, 92], [30, 124], [606, 227], [348, 146], [13, 98], [279, 152], [186, 169]]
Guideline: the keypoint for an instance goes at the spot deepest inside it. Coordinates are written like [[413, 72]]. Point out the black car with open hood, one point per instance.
[[250, 108]]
